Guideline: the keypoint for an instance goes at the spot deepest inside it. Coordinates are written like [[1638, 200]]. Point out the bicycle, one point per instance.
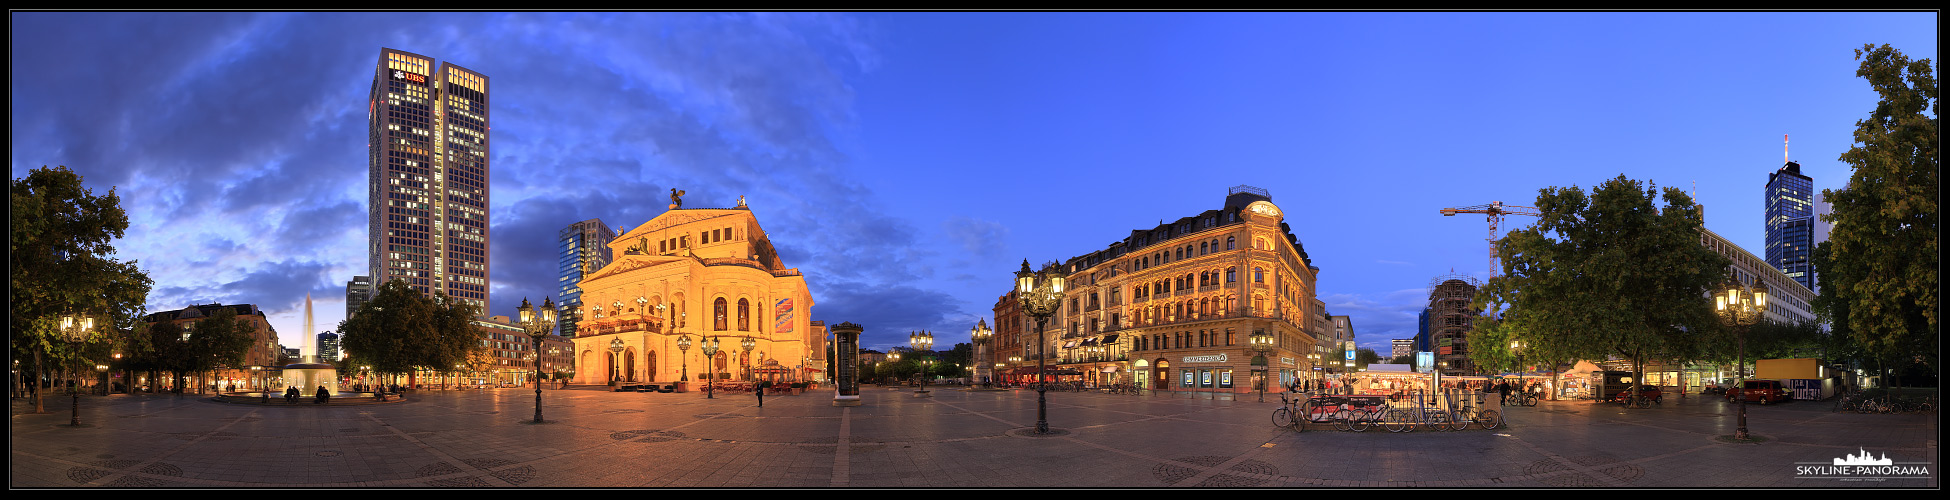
[[1524, 398], [1284, 415], [1486, 418]]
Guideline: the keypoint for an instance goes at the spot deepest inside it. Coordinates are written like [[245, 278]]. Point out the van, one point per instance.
[[1763, 391]]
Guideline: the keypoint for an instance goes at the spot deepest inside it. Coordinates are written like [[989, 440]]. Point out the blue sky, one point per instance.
[[908, 162]]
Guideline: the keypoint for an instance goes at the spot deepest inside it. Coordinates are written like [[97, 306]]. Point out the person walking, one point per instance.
[[762, 385], [1503, 390]]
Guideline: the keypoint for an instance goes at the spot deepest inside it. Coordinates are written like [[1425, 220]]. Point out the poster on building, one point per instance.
[[784, 322]]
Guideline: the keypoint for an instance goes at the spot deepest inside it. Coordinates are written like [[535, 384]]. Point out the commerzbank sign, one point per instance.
[[1210, 358]]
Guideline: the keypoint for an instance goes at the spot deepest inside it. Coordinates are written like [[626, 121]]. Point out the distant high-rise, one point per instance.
[[328, 346], [1791, 223], [585, 247], [357, 292], [428, 146]]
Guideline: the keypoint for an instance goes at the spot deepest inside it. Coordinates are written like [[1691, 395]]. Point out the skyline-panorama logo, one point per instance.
[[1865, 466]]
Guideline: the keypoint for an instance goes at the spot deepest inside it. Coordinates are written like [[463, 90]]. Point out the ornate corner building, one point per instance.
[[1173, 307], [717, 263]]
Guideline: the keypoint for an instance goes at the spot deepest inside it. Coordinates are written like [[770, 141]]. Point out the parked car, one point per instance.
[[1646, 391], [1763, 391]]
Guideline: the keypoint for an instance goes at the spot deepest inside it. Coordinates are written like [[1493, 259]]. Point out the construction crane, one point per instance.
[[1496, 211]]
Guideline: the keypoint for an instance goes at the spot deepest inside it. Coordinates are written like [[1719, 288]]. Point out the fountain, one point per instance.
[[308, 373]]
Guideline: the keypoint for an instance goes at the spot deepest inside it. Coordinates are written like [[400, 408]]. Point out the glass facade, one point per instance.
[[1790, 223], [583, 246]]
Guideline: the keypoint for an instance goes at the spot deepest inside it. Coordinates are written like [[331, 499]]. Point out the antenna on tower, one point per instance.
[[1784, 148]]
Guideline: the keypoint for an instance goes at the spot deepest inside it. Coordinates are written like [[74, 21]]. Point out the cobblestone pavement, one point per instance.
[[954, 438]]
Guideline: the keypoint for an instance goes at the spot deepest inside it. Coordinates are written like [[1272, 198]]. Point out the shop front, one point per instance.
[[1210, 373]]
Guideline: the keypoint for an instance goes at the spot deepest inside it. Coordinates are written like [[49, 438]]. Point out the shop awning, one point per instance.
[[1110, 338]]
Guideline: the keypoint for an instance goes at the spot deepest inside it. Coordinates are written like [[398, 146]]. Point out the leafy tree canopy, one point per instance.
[[401, 330], [1883, 266]]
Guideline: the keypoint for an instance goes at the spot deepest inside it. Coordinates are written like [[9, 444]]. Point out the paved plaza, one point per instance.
[[954, 438]]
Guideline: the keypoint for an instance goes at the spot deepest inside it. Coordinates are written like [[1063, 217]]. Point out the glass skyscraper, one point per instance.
[[1791, 223], [583, 246], [428, 146]]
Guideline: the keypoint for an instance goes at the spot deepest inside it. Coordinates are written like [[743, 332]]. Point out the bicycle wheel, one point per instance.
[[1360, 420], [1399, 420], [1642, 402], [1344, 419], [1458, 420], [1282, 418], [1530, 400], [1489, 419]]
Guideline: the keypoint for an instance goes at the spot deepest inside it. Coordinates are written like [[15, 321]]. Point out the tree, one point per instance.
[[1608, 274], [218, 340], [400, 330], [1365, 356], [1882, 269], [60, 237]]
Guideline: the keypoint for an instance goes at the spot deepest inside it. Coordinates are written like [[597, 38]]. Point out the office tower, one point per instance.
[[428, 216], [584, 249], [328, 346], [1790, 223], [357, 292]]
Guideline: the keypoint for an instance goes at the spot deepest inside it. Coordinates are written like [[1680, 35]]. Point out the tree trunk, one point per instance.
[[39, 369]]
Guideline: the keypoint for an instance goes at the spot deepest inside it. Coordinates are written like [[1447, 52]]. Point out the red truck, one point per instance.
[[1763, 391]]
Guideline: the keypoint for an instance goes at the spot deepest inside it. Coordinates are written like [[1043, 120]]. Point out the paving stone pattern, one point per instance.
[[954, 439]]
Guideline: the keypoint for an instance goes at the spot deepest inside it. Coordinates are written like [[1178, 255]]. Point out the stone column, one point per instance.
[[846, 364]]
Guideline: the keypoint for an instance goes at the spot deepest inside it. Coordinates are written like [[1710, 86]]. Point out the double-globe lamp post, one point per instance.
[[710, 349], [921, 341], [1040, 293], [1740, 307], [76, 330], [1262, 344], [747, 344], [538, 327]]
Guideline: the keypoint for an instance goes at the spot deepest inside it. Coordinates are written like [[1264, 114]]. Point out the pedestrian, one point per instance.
[[291, 394], [322, 396], [1503, 390], [762, 385]]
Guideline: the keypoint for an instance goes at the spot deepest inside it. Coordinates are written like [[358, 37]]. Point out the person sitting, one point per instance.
[[322, 396], [291, 394]]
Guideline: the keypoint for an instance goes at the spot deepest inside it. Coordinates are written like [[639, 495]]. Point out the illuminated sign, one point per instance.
[[411, 77], [1214, 358]]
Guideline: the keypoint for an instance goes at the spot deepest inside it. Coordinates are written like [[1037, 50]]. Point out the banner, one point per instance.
[[783, 323]]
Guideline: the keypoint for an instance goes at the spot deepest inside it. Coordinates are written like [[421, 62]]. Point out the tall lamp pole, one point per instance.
[[615, 362], [1740, 307], [538, 327], [1041, 293], [710, 365], [75, 330], [1262, 343], [921, 341], [683, 349], [747, 344]]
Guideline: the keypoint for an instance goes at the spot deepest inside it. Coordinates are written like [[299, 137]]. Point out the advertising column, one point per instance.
[[846, 364]]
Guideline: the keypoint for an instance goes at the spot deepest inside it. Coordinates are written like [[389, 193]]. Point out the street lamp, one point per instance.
[[103, 370], [1740, 308], [893, 359], [1517, 346], [538, 327], [921, 341], [1262, 343], [747, 343], [616, 361], [684, 348], [1041, 292], [75, 330], [980, 334], [710, 365]]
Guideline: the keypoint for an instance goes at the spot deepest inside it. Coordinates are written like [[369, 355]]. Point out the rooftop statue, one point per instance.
[[676, 199]]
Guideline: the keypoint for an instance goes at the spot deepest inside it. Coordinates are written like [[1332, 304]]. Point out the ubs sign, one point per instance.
[[411, 77]]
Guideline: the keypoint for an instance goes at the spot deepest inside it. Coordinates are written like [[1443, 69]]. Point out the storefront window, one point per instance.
[[1205, 378], [1188, 378], [1225, 379]]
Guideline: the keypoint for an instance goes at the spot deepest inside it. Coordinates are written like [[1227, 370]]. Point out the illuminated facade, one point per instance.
[[714, 262], [1173, 307], [428, 156], [1791, 223], [584, 247], [264, 350]]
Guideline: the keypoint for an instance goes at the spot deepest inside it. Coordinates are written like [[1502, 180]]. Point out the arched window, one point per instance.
[[1228, 240], [1215, 244], [1201, 248], [1179, 253], [1232, 275], [1259, 275], [718, 311], [744, 315]]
